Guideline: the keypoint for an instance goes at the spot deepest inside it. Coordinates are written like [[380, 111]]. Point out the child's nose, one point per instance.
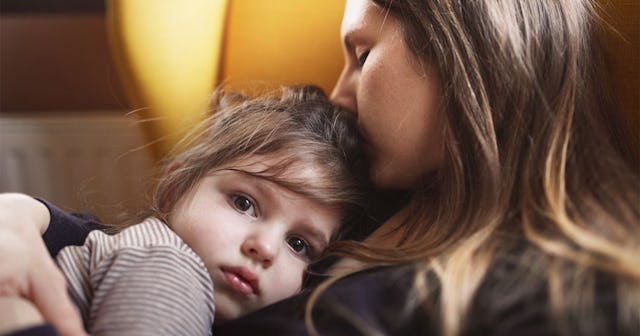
[[262, 248]]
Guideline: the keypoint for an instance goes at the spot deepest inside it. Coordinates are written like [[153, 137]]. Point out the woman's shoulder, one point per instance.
[[378, 300], [515, 298], [512, 299]]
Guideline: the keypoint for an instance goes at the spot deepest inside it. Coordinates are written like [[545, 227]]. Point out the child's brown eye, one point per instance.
[[244, 205], [299, 246]]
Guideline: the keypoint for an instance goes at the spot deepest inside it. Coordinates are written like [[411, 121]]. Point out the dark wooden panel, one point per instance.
[[52, 6], [57, 62]]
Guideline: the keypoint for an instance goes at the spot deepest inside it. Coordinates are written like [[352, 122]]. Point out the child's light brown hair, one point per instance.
[[298, 125]]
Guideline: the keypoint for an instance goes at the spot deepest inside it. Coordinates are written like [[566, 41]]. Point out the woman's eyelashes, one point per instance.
[[362, 58], [245, 205]]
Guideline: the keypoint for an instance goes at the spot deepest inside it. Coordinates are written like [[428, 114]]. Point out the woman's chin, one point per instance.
[[388, 178]]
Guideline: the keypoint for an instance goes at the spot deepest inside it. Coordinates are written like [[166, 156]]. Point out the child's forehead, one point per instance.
[[283, 165], [304, 176]]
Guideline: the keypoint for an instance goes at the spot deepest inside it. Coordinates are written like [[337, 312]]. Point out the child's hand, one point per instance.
[[27, 271]]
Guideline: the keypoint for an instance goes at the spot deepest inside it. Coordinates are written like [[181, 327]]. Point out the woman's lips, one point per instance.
[[242, 280]]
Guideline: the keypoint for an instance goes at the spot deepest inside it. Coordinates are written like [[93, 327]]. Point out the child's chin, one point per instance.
[[222, 316]]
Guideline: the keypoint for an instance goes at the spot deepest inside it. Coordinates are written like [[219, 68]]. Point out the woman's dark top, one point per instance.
[[68, 229], [374, 301]]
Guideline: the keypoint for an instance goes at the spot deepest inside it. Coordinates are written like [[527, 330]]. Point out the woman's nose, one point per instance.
[[344, 93], [262, 247]]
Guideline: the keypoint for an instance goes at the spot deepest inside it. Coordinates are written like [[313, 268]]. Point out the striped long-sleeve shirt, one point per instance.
[[142, 281]]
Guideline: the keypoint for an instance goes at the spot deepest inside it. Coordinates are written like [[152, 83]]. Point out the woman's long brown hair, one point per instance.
[[534, 166]]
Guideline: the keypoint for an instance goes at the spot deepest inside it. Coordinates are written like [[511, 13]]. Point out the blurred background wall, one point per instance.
[[64, 133], [91, 91], [94, 92]]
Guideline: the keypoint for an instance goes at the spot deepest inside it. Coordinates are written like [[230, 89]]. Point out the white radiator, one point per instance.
[[91, 162]]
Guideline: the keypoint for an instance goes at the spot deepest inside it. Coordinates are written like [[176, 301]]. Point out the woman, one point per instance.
[[495, 117]]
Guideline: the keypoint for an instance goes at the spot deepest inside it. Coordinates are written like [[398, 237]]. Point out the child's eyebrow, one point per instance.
[[316, 234]]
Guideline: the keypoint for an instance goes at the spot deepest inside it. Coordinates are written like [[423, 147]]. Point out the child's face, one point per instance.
[[255, 237]]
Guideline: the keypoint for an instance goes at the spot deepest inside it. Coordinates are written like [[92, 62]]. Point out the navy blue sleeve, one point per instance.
[[41, 330], [67, 229]]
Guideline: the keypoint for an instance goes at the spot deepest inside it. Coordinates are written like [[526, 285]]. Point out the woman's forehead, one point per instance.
[[357, 15]]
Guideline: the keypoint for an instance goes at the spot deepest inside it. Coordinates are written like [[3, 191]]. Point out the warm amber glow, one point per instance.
[[285, 41], [172, 53], [168, 54]]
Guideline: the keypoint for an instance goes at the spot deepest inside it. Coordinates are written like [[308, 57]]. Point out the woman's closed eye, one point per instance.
[[245, 205], [362, 58]]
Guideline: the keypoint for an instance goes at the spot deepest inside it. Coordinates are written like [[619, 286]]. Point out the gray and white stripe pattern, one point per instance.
[[142, 281]]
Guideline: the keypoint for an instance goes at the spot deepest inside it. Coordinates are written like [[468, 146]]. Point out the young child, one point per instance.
[[262, 187]]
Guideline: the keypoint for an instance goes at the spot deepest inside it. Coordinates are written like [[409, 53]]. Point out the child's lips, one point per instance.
[[242, 280]]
